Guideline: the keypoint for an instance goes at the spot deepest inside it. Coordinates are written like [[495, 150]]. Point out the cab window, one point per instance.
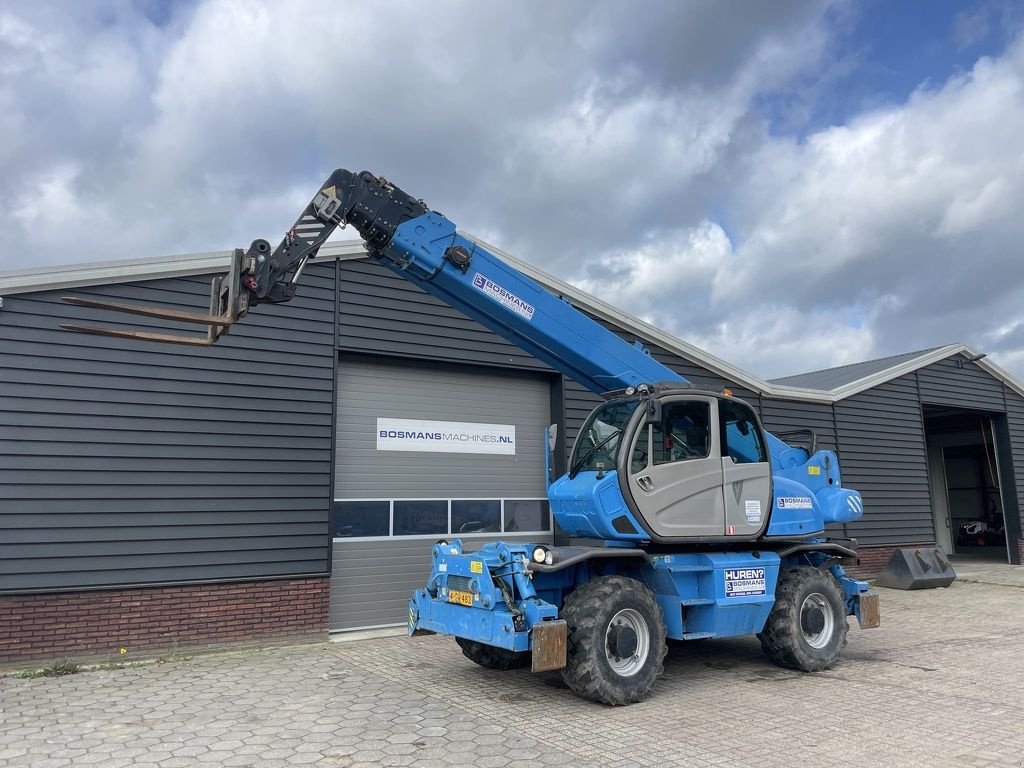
[[683, 433], [741, 438]]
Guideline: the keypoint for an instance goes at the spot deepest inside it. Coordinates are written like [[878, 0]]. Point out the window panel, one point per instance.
[[683, 433], [476, 516], [641, 452], [360, 518], [415, 518], [740, 436], [527, 515]]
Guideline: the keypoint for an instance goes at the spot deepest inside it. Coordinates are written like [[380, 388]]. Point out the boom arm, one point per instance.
[[423, 247]]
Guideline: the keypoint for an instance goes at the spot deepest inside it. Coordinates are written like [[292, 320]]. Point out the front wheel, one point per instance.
[[807, 627], [616, 640]]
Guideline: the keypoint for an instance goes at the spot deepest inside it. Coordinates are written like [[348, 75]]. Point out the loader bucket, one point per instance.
[[228, 303]]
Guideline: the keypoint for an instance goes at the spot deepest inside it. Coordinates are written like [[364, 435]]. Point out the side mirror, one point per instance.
[[743, 427], [552, 437]]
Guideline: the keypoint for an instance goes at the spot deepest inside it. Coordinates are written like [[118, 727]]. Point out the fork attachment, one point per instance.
[[228, 303], [374, 206]]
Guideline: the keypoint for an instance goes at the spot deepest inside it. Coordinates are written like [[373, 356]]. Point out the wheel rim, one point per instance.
[[816, 620], [627, 642]]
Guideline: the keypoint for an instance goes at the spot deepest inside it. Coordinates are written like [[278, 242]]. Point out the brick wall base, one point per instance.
[[1020, 551], [871, 561], [149, 621]]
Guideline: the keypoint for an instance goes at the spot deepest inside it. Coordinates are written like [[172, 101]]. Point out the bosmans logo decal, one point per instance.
[[503, 296], [445, 436], [795, 502], [743, 582]]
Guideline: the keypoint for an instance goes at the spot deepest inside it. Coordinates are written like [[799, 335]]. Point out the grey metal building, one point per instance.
[[152, 479]]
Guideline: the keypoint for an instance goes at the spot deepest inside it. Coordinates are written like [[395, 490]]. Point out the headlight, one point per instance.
[[549, 557], [541, 555]]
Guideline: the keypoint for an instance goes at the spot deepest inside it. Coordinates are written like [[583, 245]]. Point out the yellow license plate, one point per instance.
[[461, 598]]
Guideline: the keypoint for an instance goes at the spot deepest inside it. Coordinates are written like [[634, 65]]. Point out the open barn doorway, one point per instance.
[[967, 493]]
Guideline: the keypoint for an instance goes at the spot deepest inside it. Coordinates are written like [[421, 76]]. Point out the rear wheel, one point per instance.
[[491, 657], [616, 640], [807, 627]]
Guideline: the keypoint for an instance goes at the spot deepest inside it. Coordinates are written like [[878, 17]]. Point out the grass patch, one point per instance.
[[110, 665], [173, 657], [58, 668]]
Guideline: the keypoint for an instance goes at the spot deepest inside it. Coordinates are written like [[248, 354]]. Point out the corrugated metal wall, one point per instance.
[[786, 415], [946, 383], [122, 463], [1015, 428], [127, 463], [882, 454], [381, 314], [878, 434]]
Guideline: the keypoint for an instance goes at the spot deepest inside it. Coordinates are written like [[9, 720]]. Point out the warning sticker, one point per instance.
[[795, 502], [752, 509], [744, 582], [813, 470], [475, 566]]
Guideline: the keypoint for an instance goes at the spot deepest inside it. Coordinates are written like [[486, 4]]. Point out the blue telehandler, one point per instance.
[[684, 519]]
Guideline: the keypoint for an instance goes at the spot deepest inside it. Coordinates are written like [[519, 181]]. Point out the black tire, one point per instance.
[[589, 613], [794, 636], [489, 657]]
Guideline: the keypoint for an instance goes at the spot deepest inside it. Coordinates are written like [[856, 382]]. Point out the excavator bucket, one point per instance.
[[228, 303]]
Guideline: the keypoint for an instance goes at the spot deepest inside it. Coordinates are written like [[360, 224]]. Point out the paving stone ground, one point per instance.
[[941, 683]]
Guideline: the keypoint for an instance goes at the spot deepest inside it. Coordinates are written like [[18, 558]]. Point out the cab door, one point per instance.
[[676, 470], [746, 471]]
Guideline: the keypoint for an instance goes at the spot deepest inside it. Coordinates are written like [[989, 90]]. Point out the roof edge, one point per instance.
[[57, 277], [922, 361]]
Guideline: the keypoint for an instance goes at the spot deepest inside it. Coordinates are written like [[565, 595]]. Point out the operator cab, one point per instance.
[[687, 464]]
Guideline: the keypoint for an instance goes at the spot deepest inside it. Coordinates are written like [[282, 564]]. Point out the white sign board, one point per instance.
[[445, 436]]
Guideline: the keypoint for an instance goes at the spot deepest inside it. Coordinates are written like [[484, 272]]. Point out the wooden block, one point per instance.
[[870, 612], [550, 639]]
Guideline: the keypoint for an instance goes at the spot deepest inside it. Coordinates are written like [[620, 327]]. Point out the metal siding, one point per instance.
[[882, 455], [784, 415], [1015, 422], [371, 389], [128, 463], [945, 383], [372, 581], [379, 313]]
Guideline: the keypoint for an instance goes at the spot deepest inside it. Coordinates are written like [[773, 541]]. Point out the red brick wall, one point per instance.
[[1020, 550], [872, 560], [148, 621]]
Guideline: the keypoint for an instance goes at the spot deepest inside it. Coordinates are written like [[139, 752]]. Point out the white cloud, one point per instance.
[[896, 231], [625, 151]]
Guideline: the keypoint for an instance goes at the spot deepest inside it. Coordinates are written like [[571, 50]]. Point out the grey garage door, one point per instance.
[[426, 452]]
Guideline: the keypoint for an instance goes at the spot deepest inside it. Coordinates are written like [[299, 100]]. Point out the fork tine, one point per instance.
[[161, 313], [124, 333]]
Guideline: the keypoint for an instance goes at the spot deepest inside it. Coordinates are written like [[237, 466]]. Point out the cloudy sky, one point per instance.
[[790, 185]]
